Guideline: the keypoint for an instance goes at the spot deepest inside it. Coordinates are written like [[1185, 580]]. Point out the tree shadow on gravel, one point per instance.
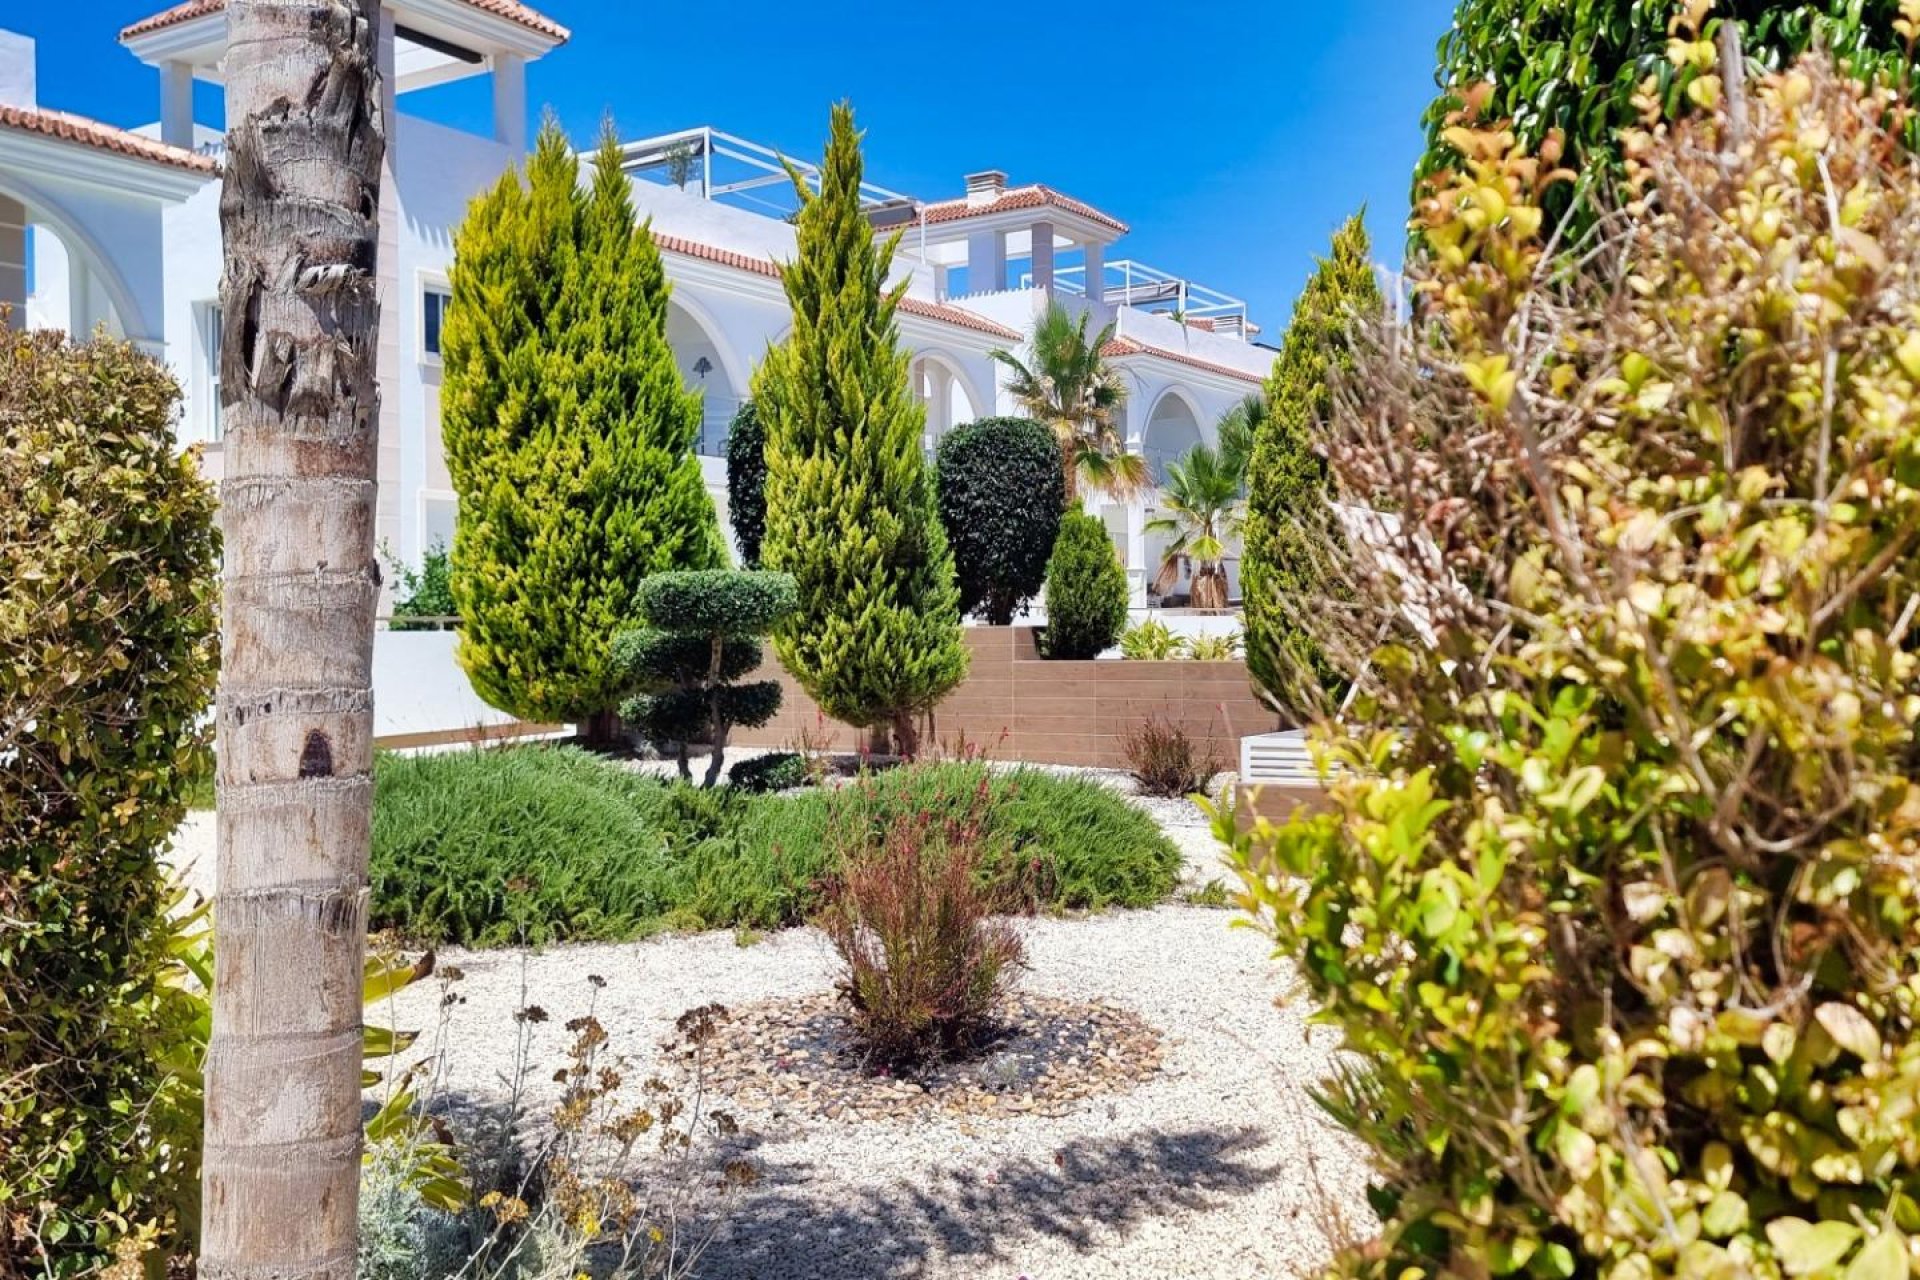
[[801, 1222]]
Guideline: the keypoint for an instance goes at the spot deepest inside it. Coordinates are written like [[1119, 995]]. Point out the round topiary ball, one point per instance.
[[1001, 494]]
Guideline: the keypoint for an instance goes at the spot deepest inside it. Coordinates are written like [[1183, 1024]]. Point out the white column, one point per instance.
[[176, 104], [510, 101], [81, 316], [1138, 570], [1096, 258], [939, 401], [388, 505], [986, 262], [1043, 255], [13, 261]]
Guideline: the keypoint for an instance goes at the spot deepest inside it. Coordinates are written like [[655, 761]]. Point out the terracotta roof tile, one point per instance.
[[92, 133], [1129, 347], [509, 9], [765, 267], [1030, 197]]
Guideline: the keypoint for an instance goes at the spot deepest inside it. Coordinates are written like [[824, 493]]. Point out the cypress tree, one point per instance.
[[1290, 527], [851, 513], [568, 434]]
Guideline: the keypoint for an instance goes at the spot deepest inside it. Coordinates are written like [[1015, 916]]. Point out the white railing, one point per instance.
[[1127, 283], [719, 165]]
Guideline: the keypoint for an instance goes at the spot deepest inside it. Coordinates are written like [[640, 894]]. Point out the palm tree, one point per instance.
[[1240, 426], [299, 214], [1204, 501], [1065, 382]]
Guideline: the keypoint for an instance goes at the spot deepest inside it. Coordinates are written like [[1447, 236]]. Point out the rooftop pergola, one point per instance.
[[431, 42]]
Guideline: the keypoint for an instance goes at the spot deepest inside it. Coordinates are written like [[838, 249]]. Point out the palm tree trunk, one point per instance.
[[299, 213]]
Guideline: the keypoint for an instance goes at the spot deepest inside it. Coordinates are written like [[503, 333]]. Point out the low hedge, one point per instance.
[[549, 844]]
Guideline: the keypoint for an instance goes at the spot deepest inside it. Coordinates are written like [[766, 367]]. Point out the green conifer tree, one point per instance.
[[851, 512], [568, 434], [1290, 528]]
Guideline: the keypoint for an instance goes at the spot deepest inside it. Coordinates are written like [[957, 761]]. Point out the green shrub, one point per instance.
[[775, 771], [747, 483], [1002, 491], [1086, 590], [551, 843], [1575, 71], [1293, 544], [1619, 904], [425, 592], [531, 844], [108, 651], [1150, 641], [1219, 647]]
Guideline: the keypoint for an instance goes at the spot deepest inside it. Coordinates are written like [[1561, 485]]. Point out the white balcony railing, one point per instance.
[[1127, 283]]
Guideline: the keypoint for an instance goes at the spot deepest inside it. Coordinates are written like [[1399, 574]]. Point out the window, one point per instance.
[[210, 345], [433, 311]]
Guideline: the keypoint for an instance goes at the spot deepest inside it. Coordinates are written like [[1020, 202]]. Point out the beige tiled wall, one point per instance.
[[1018, 706]]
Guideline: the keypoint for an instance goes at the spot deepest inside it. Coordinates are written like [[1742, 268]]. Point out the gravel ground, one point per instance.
[[1219, 1166]]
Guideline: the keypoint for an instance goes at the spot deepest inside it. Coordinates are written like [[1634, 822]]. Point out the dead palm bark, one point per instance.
[[299, 215]]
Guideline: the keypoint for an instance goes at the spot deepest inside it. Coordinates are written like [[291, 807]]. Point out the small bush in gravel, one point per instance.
[[775, 771], [924, 960], [1165, 761]]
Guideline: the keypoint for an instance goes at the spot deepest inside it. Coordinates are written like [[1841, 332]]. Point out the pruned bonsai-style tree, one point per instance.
[[701, 636]]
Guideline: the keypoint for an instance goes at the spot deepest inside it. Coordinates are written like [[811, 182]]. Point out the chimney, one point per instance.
[[16, 70], [985, 187]]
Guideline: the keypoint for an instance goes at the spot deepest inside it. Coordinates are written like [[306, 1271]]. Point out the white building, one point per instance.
[[121, 228]]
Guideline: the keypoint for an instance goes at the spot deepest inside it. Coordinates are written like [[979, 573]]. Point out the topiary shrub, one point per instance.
[[1001, 495], [1619, 901], [108, 651], [1086, 591], [698, 642], [747, 483]]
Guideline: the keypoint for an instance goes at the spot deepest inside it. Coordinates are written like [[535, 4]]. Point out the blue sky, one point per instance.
[[1232, 135]]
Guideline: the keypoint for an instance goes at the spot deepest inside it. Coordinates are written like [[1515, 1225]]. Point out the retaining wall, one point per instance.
[[1019, 706]]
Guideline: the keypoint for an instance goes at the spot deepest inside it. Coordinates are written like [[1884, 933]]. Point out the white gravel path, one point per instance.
[[1222, 1166]]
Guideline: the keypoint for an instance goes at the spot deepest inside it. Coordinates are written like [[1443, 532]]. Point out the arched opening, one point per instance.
[[709, 366], [943, 390], [1173, 428], [52, 277]]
